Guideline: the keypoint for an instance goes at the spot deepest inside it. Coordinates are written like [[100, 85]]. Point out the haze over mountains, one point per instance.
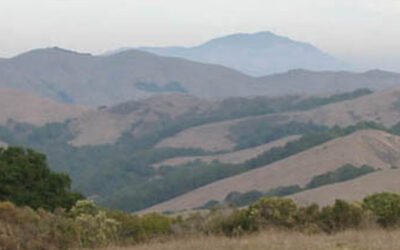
[[256, 54]]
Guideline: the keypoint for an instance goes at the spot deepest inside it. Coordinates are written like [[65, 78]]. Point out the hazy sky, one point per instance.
[[359, 31]]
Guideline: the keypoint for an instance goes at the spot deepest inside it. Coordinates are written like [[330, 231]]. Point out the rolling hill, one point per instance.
[[97, 80], [106, 125], [233, 157], [208, 137], [353, 190], [21, 107], [72, 77], [370, 147], [256, 54], [381, 107], [168, 114]]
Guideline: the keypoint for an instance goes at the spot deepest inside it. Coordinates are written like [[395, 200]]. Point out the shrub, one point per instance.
[[307, 218], [96, 230], [26, 229], [232, 223], [340, 216], [156, 224], [274, 211], [130, 229], [386, 206]]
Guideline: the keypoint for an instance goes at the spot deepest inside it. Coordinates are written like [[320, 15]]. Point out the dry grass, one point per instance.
[[233, 157], [387, 180], [350, 240], [24, 107], [370, 147]]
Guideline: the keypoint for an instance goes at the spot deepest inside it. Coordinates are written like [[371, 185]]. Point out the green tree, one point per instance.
[[386, 206], [26, 180]]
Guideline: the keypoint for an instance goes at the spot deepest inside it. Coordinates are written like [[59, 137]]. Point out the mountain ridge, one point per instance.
[[79, 78], [255, 54]]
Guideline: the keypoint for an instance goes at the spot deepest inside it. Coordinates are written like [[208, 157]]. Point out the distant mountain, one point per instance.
[[311, 82], [72, 77], [257, 54], [82, 78]]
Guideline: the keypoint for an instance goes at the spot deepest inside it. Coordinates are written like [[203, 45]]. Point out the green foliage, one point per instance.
[[96, 230], [209, 205], [347, 172], [395, 129], [156, 224], [243, 199], [283, 191], [254, 133], [306, 142], [239, 199], [340, 216], [84, 207], [312, 102], [26, 180], [169, 87], [234, 224], [386, 206], [274, 211], [241, 107], [87, 225]]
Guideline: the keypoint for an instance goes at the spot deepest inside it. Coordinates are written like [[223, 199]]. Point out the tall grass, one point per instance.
[[374, 239]]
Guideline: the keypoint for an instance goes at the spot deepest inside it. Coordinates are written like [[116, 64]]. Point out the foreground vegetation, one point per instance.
[[54, 221], [282, 240], [86, 225]]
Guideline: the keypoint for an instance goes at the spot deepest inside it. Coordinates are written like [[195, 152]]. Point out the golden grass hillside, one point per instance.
[[352, 190], [365, 147], [273, 240], [23, 107], [107, 125], [381, 107], [234, 157]]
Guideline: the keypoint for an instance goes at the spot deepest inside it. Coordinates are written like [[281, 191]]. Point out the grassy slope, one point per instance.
[[370, 147], [387, 180], [23, 107], [234, 157], [382, 107]]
